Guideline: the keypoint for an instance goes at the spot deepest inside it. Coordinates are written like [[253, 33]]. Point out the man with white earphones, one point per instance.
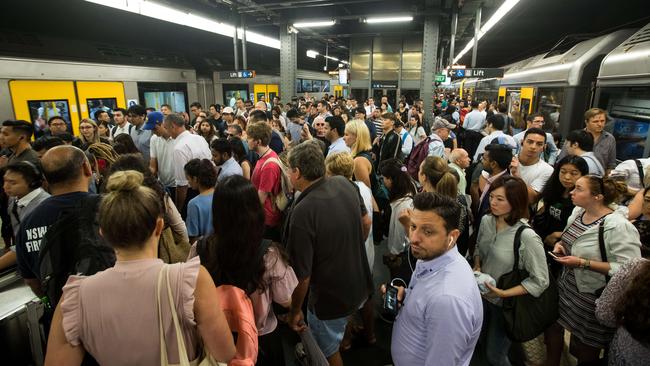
[[440, 317]]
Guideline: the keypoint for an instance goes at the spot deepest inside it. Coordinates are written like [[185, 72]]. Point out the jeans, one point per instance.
[[495, 341]]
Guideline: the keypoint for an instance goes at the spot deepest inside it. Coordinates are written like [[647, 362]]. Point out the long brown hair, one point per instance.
[[516, 194], [633, 310]]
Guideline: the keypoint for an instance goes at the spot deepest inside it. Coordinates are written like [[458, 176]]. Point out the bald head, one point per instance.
[[66, 165], [459, 157]]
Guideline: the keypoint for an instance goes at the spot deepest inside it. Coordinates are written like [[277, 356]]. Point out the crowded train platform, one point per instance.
[[324, 183]]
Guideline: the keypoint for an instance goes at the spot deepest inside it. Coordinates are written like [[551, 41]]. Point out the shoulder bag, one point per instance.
[[202, 360], [527, 316]]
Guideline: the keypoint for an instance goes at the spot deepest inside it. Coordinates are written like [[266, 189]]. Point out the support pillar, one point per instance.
[[477, 28], [429, 60], [288, 63], [452, 42], [244, 56], [234, 44]]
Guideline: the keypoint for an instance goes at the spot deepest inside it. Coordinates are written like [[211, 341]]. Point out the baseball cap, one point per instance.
[[228, 110], [153, 119], [440, 122]]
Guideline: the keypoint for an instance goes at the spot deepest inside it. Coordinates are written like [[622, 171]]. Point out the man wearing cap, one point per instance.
[[161, 162], [440, 130]]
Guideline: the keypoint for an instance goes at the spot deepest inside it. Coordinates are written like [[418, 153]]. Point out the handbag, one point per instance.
[[527, 316], [307, 351], [202, 360]]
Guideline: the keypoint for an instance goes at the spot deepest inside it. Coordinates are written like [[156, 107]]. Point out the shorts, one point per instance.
[[328, 333]]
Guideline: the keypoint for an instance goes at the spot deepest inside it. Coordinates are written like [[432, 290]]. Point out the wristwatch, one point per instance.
[[585, 264]]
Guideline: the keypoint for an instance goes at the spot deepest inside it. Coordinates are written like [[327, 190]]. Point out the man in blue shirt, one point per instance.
[[440, 320]]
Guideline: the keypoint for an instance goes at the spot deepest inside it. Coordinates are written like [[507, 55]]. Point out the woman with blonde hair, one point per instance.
[[89, 133], [92, 316], [357, 138]]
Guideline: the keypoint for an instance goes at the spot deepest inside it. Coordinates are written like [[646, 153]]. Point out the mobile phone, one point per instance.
[[555, 255], [390, 299]]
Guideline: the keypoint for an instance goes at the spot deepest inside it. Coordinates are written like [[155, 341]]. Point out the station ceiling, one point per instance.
[[80, 30]]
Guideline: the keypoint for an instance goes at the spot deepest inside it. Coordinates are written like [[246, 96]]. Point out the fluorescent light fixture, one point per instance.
[[331, 58], [166, 13], [314, 24], [500, 13], [389, 19], [312, 53]]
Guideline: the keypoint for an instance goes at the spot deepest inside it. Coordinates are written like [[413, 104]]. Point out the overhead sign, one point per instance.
[[440, 78], [384, 84], [242, 74], [475, 73]]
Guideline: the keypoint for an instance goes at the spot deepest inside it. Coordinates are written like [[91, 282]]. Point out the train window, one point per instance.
[[325, 86], [101, 104], [629, 122], [306, 85], [232, 92], [176, 99], [298, 86], [549, 104], [42, 110], [316, 86]]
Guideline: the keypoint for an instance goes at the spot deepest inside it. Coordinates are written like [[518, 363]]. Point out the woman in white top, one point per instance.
[[415, 129]]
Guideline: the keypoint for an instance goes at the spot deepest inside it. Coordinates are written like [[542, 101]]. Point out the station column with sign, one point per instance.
[[429, 58], [288, 63]]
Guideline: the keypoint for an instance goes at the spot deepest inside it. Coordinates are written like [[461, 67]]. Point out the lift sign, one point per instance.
[[475, 73]]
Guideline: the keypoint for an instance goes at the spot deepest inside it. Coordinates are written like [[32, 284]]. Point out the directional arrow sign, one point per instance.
[[476, 73]]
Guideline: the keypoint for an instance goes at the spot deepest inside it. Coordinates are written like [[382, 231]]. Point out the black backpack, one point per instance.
[[73, 246]]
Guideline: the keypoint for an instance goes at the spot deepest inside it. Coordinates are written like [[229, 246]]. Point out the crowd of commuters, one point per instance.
[[287, 204]]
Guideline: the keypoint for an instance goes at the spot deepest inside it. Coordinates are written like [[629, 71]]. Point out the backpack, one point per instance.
[[114, 129], [417, 156], [73, 246], [282, 198]]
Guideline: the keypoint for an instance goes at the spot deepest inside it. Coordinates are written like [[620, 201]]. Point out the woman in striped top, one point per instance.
[[585, 271]]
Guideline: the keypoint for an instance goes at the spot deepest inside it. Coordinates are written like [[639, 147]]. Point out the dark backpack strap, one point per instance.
[[639, 166], [601, 244], [517, 245]]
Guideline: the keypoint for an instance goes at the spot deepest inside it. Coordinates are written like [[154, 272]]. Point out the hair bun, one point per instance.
[[124, 181]]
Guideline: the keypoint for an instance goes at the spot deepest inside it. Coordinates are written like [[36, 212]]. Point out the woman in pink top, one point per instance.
[[237, 255], [113, 314]]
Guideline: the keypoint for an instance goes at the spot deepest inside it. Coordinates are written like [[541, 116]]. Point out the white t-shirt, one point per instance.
[[536, 175], [629, 170], [188, 147], [117, 130], [366, 195], [162, 150]]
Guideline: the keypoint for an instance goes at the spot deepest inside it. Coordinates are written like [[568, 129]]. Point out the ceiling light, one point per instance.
[[314, 24], [163, 12], [389, 19], [500, 13], [312, 53]]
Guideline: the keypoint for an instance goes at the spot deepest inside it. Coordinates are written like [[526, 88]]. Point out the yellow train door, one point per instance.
[[99, 95], [38, 101]]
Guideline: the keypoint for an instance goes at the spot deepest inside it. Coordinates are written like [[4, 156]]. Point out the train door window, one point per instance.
[[316, 86], [37, 101], [40, 111], [628, 119], [549, 104], [101, 104], [325, 86], [95, 95], [156, 94], [232, 92], [298, 86]]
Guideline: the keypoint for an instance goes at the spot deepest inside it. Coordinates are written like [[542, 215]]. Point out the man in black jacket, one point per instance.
[[390, 143]]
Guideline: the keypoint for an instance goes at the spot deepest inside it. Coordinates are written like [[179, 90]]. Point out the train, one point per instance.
[[611, 72], [36, 89]]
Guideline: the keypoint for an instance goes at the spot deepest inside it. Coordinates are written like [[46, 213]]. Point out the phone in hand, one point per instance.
[[555, 255], [390, 299]]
